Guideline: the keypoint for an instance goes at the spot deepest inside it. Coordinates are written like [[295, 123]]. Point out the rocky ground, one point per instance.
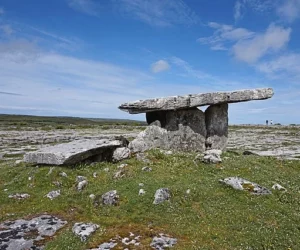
[[278, 141]]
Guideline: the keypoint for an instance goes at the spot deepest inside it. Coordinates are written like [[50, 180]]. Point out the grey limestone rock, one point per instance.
[[121, 154], [162, 242], [212, 156], [242, 184], [110, 198], [216, 120], [277, 186], [53, 194], [161, 195], [84, 230], [195, 100], [75, 152], [81, 185], [18, 196], [28, 234]]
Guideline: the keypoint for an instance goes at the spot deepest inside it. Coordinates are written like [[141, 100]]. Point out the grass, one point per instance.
[[212, 216]]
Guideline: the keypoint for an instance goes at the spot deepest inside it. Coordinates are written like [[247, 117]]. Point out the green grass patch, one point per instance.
[[212, 216]]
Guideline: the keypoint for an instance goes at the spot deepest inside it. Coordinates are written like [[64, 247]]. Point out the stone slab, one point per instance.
[[73, 152], [196, 100]]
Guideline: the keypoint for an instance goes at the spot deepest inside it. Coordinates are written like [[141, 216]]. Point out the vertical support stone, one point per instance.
[[216, 120]]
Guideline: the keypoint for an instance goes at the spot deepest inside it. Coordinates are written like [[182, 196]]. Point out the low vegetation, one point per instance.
[[211, 216]]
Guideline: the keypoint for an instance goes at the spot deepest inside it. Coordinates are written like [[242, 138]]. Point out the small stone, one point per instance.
[[95, 175], [30, 178], [161, 195], [212, 156], [84, 230], [122, 166], [121, 154], [110, 198], [142, 191], [146, 169], [277, 186], [119, 174], [80, 178], [106, 169], [63, 174], [141, 184], [53, 194], [92, 196], [17, 162], [188, 191], [18, 196], [162, 242], [81, 185], [5, 190]]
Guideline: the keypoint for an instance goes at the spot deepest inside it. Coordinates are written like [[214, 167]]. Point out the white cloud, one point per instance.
[[250, 50], [289, 10], [160, 66], [157, 12], [237, 10], [286, 67], [86, 6], [6, 29], [224, 35]]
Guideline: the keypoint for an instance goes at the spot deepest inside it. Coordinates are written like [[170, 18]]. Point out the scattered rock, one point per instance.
[[121, 154], [110, 198], [146, 169], [188, 191], [161, 195], [105, 246], [18, 196], [106, 169], [53, 194], [277, 186], [80, 178], [212, 156], [92, 196], [142, 191], [28, 234], [17, 162], [162, 241], [81, 185], [84, 230], [63, 174], [141, 184], [124, 165], [120, 174], [242, 184], [95, 175]]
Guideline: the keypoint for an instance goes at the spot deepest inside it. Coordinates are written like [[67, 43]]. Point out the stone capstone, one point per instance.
[[194, 100], [84, 230], [242, 184], [75, 152], [29, 234]]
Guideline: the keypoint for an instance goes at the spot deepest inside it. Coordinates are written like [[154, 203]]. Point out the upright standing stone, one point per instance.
[[216, 120]]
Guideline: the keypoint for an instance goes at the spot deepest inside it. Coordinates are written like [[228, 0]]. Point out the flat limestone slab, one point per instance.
[[72, 152], [196, 100]]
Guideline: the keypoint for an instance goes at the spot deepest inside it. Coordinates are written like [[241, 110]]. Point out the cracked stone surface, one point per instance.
[[28, 234]]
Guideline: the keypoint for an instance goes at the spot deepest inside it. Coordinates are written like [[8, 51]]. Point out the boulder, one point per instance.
[[194, 100], [161, 195], [212, 156], [110, 198], [216, 120], [74, 152], [121, 154]]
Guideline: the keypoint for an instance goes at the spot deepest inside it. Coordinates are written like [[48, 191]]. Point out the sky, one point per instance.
[[86, 57]]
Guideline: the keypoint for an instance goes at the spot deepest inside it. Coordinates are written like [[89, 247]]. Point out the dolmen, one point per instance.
[[177, 123]]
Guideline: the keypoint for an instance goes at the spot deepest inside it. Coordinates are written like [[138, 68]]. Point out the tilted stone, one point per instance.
[[74, 152], [196, 100]]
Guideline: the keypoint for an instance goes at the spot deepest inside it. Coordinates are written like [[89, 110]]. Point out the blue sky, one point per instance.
[[86, 57]]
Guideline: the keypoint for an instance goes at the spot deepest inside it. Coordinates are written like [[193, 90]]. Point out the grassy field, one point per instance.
[[212, 216]]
